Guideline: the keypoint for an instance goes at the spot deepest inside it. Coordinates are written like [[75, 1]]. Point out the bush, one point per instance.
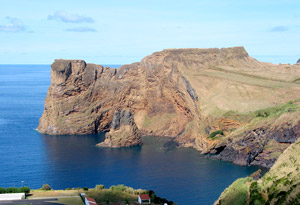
[[99, 187], [218, 132], [120, 187], [2, 190], [25, 189], [12, 190], [68, 189], [46, 187], [85, 188]]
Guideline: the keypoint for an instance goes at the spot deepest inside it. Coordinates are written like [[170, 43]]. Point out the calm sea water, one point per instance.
[[181, 175]]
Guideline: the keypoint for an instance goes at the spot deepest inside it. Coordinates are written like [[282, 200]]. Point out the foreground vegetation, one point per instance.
[[114, 194], [24, 189], [122, 194], [281, 185]]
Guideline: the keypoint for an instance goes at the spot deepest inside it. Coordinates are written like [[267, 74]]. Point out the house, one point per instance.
[[13, 196], [144, 199], [89, 201]]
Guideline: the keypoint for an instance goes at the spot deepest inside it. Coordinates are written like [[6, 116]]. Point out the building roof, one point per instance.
[[91, 200], [144, 197], [12, 196]]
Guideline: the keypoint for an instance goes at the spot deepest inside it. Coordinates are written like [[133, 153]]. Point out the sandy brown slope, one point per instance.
[[180, 93]]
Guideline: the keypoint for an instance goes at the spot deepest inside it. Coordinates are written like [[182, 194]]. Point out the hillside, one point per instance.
[[281, 185], [188, 94]]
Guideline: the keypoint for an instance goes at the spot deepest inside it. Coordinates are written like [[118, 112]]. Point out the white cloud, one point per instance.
[[81, 29], [14, 25], [70, 18]]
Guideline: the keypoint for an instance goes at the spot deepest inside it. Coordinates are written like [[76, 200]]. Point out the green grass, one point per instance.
[[111, 195], [218, 132], [236, 193], [277, 110], [281, 185]]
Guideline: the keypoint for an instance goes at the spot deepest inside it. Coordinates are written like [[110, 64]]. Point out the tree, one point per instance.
[[25, 189], [46, 187]]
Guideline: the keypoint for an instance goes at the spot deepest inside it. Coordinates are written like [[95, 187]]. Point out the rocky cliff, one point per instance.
[[187, 94]]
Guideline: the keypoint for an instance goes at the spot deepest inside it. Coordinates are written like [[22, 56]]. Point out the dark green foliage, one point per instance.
[[25, 189], [218, 132], [46, 187], [255, 196], [12, 190], [157, 200], [85, 188], [2, 190]]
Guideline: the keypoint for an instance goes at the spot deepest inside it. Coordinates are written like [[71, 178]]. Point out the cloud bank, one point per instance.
[[14, 25], [70, 18], [81, 29]]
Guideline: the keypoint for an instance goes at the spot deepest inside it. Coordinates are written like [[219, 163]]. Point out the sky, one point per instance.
[[125, 31]]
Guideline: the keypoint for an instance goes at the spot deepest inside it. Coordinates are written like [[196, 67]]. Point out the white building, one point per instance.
[[13, 196], [144, 199], [90, 201]]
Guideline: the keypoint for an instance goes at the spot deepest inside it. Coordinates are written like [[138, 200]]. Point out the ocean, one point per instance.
[[181, 175]]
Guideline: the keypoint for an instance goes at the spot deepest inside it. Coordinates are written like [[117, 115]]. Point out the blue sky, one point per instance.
[[124, 31]]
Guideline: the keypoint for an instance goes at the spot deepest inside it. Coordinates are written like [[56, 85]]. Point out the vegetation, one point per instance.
[[119, 193], [46, 187], [281, 185], [158, 200], [236, 193], [24, 189], [277, 110], [218, 132], [99, 187]]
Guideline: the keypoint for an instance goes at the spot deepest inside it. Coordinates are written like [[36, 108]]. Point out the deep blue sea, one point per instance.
[[181, 175]]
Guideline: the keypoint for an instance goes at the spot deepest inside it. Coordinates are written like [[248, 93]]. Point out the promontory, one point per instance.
[[221, 102]]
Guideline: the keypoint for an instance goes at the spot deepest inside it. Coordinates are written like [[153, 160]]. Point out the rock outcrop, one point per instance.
[[123, 132], [298, 61], [181, 93], [260, 146]]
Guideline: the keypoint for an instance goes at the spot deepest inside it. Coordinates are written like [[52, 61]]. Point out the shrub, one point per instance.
[[99, 187], [85, 188], [46, 187], [255, 196], [2, 190], [68, 188], [120, 187], [218, 132], [25, 189], [12, 190]]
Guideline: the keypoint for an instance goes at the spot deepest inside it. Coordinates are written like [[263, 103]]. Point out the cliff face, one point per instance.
[[180, 93]]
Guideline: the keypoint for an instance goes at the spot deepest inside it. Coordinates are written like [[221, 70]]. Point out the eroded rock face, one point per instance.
[[259, 146], [123, 132], [178, 93]]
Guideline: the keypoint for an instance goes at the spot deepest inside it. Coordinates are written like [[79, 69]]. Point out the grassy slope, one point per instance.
[[281, 185], [251, 88]]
